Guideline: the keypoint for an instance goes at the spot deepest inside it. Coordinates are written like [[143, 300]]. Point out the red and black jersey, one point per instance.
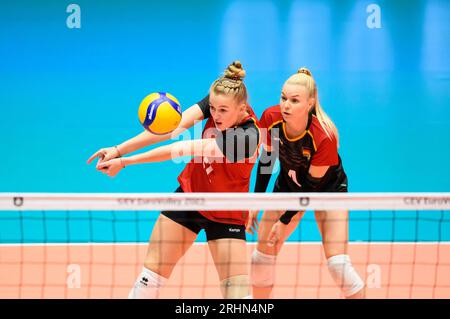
[[231, 173], [296, 155]]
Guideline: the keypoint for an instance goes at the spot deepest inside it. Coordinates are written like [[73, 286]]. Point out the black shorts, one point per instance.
[[195, 222]]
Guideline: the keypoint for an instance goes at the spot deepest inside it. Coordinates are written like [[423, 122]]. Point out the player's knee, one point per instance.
[[236, 287], [147, 285], [345, 276], [262, 269], [266, 248]]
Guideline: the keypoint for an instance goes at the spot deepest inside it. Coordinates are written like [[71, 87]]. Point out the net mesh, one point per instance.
[[79, 246]]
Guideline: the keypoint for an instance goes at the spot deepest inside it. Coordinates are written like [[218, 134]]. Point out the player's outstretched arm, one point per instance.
[[189, 118], [199, 147]]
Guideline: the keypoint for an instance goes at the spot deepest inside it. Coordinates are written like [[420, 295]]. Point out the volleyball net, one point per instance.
[[94, 245]]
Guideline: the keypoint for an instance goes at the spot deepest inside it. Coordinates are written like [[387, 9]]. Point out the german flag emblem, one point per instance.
[[306, 153]]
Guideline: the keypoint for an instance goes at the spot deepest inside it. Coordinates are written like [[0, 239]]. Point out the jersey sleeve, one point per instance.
[[265, 123], [327, 153], [204, 106], [239, 143]]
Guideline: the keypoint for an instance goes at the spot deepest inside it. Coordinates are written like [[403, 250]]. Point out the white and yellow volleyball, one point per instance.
[[160, 113]]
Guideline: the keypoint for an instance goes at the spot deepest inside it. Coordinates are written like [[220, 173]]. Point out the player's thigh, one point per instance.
[[230, 257], [268, 219], [333, 226], [168, 243]]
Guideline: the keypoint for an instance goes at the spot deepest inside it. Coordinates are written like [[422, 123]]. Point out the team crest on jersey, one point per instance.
[[306, 153]]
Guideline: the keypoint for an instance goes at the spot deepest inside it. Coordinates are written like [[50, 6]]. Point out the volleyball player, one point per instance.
[[223, 161], [306, 142]]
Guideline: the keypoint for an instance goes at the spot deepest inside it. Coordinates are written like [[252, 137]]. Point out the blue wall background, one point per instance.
[[64, 92]]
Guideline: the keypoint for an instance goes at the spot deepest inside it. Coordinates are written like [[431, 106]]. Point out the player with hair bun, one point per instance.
[[216, 166]]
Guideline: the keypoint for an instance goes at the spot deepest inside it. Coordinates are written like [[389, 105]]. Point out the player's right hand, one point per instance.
[[252, 222], [276, 234], [111, 167], [104, 154]]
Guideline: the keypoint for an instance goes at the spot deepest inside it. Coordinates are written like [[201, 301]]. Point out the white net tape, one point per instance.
[[224, 201]]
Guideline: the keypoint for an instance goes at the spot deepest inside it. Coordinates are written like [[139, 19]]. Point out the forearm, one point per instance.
[[264, 171], [142, 140], [159, 154], [287, 216]]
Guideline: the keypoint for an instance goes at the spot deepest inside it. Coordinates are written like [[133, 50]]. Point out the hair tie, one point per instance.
[[304, 71]]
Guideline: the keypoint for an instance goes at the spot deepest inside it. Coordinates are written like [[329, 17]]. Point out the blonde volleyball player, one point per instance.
[[306, 142], [215, 168]]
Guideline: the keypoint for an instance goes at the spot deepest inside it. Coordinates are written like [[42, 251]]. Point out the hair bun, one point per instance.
[[235, 71], [304, 71]]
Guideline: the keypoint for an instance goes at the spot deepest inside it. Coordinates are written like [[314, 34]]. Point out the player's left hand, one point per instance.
[[276, 234], [111, 167]]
